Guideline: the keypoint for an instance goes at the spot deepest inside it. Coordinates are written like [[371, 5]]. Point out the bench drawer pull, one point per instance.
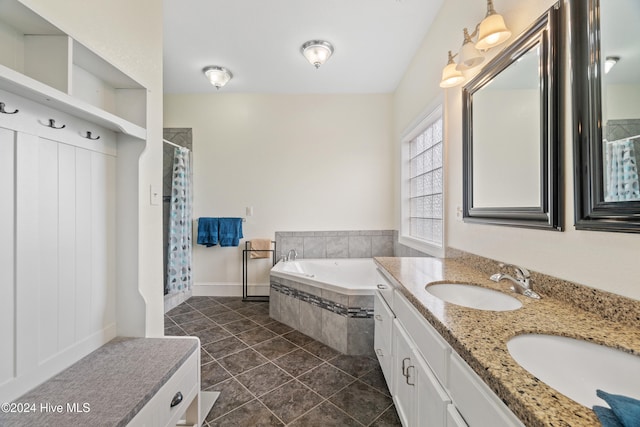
[[176, 399]]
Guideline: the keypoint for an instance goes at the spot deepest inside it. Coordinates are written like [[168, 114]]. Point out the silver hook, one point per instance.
[[2, 110], [88, 136]]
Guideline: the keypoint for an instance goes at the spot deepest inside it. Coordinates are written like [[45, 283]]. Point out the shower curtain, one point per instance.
[[179, 247], [621, 171]]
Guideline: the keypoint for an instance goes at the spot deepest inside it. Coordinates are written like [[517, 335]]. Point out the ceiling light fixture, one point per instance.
[[450, 75], [609, 62], [317, 52], [218, 76]]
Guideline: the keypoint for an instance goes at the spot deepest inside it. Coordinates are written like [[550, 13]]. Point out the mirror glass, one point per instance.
[[605, 56], [620, 88], [510, 133], [506, 136]]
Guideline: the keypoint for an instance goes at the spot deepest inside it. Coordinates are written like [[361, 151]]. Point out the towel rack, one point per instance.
[[245, 271]]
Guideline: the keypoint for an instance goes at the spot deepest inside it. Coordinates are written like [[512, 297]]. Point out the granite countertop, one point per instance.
[[108, 387], [480, 337]]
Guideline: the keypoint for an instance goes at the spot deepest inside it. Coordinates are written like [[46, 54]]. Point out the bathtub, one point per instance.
[[349, 276], [330, 300]]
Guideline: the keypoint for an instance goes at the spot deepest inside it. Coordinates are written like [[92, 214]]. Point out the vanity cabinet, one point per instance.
[[430, 383]]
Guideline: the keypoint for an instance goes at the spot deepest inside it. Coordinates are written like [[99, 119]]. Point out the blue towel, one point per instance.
[[208, 231], [230, 231], [607, 417], [625, 409]]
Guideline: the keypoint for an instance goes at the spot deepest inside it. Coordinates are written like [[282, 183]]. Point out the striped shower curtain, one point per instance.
[[179, 246]]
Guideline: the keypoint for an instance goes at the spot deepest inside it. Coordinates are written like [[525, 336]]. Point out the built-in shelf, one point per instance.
[[40, 62]]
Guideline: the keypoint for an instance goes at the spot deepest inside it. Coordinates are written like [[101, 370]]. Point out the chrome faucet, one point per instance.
[[521, 283], [289, 257]]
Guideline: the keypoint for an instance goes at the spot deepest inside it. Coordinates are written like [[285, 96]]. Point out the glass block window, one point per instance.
[[425, 183]]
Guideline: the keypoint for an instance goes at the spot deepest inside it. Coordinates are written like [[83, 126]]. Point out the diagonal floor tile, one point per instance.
[[242, 361], [197, 325], [297, 362], [375, 378], [255, 336], [354, 365], [232, 395], [187, 317], [211, 374], [275, 348], [240, 326], [324, 415], [212, 334], [326, 380], [226, 317], [252, 414], [278, 328], [320, 350], [388, 419], [298, 338], [290, 400], [264, 378], [361, 401], [225, 347]]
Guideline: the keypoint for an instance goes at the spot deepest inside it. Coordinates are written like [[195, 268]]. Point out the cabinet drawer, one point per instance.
[[427, 340], [476, 402], [158, 411], [385, 288]]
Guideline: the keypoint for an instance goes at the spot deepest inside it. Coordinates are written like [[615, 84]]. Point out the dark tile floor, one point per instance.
[[271, 375]]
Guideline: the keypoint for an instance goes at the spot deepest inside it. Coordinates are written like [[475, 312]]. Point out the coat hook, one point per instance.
[[88, 136], [2, 104], [52, 124]]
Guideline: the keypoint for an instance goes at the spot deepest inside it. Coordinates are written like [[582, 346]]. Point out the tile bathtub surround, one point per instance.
[[271, 375], [480, 337], [343, 322], [337, 244], [610, 306]]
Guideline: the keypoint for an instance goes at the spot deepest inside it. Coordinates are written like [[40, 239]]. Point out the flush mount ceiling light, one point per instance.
[[468, 56], [492, 30], [609, 62], [317, 52], [450, 75], [218, 76]]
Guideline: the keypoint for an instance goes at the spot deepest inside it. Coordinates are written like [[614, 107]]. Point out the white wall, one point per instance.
[[606, 261], [304, 162], [129, 35]]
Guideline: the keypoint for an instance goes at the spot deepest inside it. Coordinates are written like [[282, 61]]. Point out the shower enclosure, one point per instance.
[[174, 293]]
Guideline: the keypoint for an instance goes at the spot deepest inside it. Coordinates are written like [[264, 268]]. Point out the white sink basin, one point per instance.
[[474, 297], [576, 368]]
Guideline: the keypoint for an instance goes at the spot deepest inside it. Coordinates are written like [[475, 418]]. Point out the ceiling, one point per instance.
[[259, 42]]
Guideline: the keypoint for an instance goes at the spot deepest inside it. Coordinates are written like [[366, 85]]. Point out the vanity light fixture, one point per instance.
[[218, 76], [317, 52], [450, 75], [492, 31], [609, 62], [468, 56]]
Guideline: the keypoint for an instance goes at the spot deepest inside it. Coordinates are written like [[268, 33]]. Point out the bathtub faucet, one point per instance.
[[291, 255]]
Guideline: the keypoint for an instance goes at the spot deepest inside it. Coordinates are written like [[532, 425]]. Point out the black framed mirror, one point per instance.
[[511, 130], [606, 114]]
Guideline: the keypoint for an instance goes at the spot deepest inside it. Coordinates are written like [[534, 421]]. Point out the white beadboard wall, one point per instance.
[[57, 251]]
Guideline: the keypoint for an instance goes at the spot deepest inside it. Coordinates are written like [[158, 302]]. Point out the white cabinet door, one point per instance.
[[404, 384], [382, 341], [431, 399]]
